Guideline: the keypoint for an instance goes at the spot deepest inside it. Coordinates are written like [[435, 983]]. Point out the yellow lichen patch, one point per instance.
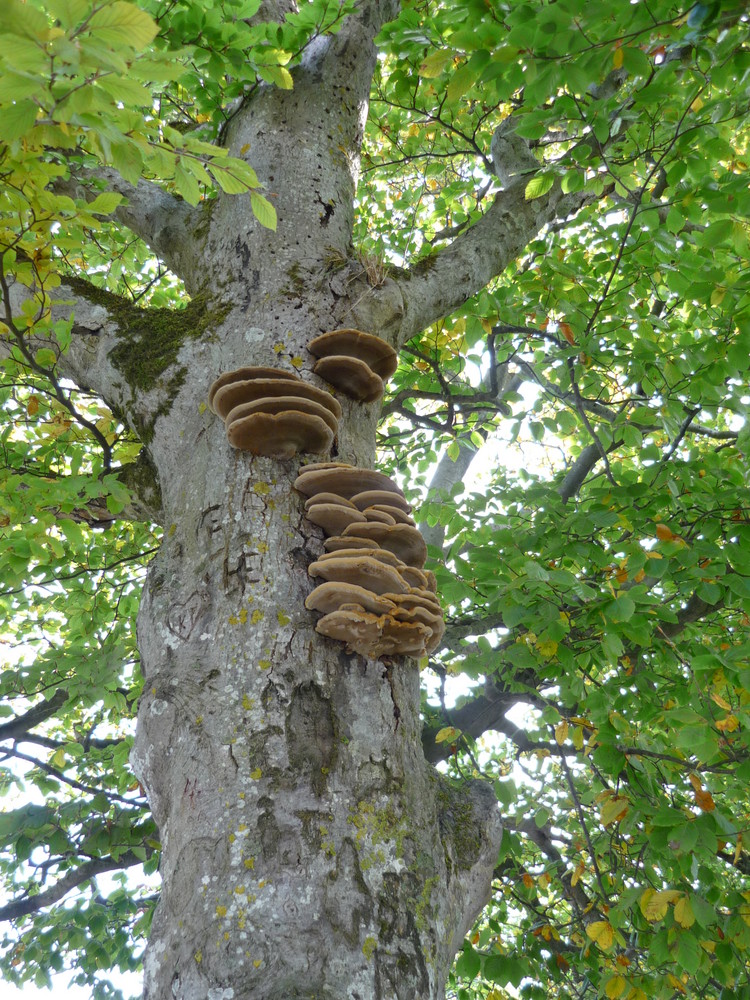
[[262, 548], [262, 489], [369, 947], [198, 957], [243, 616], [250, 863], [221, 911], [233, 620], [240, 890], [264, 664], [247, 702], [242, 827], [279, 347], [257, 962], [232, 838], [282, 618], [172, 529], [255, 774], [257, 617], [297, 362]]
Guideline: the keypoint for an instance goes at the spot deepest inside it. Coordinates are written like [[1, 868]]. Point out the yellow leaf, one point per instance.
[[448, 733], [728, 724], [683, 912], [561, 732], [697, 104], [547, 648], [720, 701], [32, 406], [618, 57], [602, 932], [616, 985], [704, 801], [578, 738], [695, 781], [654, 904], [664, 533], [576, 876], [435, 63], [676, 983], [614, 810]]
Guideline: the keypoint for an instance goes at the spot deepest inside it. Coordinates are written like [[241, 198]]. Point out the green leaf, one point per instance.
[[122, 23], [17, 119], [539, 185], [263, 210], [104, 204]]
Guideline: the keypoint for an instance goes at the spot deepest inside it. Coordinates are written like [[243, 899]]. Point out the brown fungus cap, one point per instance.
[[270, 404], [358, 629], [378, 516], [245, 391], [337, 544], [370, 498], [364, 571], [244, 375], [402, 638], [328, 498], [372, 635], [414, 577], [351, 376], [375, 353], [333, 518], [380, 554], [346, 481], [398, 515], [317, 466], [332, 596], [280, 435], [402, 539]]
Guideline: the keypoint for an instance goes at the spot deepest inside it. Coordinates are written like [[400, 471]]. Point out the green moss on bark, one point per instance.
[[149, 341]]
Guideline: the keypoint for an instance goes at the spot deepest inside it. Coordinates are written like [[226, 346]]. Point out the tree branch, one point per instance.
[[443, 281], [166, 223], [88, 870], [18, 727]]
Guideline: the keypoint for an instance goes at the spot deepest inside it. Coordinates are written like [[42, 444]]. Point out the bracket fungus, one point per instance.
[[376, 598], [271, 412], [354, 362]]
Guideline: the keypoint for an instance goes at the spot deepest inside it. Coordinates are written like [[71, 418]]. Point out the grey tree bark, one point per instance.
[[308, 849]]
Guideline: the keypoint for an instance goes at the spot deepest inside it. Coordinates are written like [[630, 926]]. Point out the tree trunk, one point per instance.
[[308, 850]]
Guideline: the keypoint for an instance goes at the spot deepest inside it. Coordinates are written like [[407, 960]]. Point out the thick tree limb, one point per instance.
[[18, 727], [167, 224], [75, 878], [440, 283]]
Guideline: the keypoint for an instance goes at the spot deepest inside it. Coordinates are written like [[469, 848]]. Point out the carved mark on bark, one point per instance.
[[351, 910], [182, 618], [400, 971], [388, 674], [310, 736]]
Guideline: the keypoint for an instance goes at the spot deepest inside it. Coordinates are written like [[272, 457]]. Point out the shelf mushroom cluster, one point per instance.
[[272, 412], [375, 595], [354, 362]]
